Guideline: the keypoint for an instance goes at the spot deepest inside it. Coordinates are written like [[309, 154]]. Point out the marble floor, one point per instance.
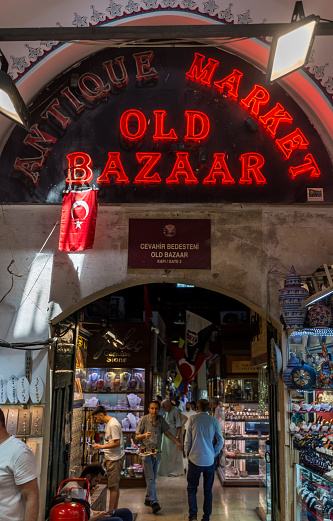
[[229, 504]]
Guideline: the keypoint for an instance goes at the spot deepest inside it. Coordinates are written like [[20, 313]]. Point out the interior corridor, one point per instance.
[[229, 503]]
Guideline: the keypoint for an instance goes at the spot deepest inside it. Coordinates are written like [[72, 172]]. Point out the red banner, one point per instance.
[[78, 220]]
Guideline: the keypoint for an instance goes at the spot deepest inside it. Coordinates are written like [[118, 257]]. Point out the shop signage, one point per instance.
[[169, 243], [133, 351], [238, 366], [166, 125]]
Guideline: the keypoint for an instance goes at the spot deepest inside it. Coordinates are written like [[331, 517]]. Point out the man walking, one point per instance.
[[172, 459], [198, 447], [113, 451], [149, 432], [19, 498]]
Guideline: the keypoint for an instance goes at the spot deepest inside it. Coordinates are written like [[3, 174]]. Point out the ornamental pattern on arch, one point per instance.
[[114, 11]]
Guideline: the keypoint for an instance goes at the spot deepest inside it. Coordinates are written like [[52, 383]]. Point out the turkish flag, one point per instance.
[[190, 359], [78, 220]]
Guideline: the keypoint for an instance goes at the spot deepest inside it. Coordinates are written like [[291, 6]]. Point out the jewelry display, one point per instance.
[[5, 412], [12, 389], [23, 428], [12, 421], [124, 380], [37, 421], [93, 377], [23, 389], [109, 378], [36, 389], [3, 389], [32, 446]]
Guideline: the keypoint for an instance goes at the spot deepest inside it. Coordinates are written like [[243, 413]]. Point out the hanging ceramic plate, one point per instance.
[[3, 389], [36, 389], [12, 389], [23, 389]]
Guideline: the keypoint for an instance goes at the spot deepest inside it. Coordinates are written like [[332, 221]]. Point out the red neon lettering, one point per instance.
[[78, 105], [40, 140], [141, 124], [79, 171], [51, 110], [159, 128], [182, 167], [28, 167], [231, 82], [100, 90], [143, 66], [151, 159], [274, 117], [251, 164], [199, 74], [308, 166], [257, 97], [291, 142], [109, 67], [219, 169], [113, 167], [198, 125]]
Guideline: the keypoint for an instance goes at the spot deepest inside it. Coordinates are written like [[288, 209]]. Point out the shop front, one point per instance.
[[205, 176]]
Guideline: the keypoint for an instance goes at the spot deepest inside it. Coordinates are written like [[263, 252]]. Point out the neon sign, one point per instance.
[[191, 128]]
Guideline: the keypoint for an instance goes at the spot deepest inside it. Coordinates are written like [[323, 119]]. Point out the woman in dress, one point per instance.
[[172, 458]]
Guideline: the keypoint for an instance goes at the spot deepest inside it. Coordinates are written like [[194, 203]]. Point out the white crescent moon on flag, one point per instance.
[[80, 203], [182, 361]]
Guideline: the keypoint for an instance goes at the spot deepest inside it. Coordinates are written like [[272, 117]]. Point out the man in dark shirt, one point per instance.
[[149, 433]]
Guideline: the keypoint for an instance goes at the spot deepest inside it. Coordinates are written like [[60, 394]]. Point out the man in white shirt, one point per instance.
[[19, 497], [201, 431], [188, 412], [113, 451]]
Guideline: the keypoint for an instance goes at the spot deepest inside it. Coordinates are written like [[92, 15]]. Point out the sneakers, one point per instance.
[[155, 507], [147, 502]]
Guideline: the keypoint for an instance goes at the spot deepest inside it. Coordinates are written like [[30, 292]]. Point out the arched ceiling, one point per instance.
[[34, 65]]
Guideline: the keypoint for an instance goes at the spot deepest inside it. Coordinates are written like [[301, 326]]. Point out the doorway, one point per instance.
[[128, 336]]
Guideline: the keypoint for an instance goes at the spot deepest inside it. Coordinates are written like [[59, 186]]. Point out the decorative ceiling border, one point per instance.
[[116, 12]]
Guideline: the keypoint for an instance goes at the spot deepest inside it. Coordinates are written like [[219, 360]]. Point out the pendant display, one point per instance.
[[36, 389], [12, 389], [3, 390], [23, 389]]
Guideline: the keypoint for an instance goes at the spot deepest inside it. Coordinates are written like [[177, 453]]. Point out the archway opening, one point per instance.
[[126, 347]]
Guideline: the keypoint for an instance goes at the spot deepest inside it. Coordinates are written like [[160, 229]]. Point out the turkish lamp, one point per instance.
[[11, 103], [291, 50]]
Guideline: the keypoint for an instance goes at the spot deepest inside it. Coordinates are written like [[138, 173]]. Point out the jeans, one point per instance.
[[150, 467], [120, 514], [193, 476]]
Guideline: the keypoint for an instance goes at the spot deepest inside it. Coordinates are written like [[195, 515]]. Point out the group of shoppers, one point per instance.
[[203, 440]]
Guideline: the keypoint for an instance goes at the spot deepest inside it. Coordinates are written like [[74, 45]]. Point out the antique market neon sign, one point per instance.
[[133, 126]]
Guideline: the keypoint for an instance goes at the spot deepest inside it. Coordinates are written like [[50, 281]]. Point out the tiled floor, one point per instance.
[[229, 504]]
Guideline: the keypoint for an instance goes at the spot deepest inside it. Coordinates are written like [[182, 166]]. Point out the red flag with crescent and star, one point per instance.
[[190, 358], [78, 220]]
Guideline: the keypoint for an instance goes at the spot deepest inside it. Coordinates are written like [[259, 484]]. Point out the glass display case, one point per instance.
[[242, 462], [313, 496]]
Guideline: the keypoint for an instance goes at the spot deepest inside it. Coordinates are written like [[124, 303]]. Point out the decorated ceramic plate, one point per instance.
[[23, 389], [36, 389], [3, 389], [12, 389]]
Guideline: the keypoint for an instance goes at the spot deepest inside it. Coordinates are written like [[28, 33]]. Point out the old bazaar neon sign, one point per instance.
[[133, 128]]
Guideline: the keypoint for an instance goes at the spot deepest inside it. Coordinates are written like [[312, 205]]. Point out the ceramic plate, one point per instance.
[[12, 389], [3, 389], [23, 389], [36, 389]]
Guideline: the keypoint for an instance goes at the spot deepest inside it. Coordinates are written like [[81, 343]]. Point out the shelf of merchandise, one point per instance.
[[114, 401], [313, 496], [238, 465]]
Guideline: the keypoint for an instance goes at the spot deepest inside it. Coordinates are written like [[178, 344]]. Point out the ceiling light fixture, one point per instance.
[[323, 293], [11, 103], [291, 49]]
